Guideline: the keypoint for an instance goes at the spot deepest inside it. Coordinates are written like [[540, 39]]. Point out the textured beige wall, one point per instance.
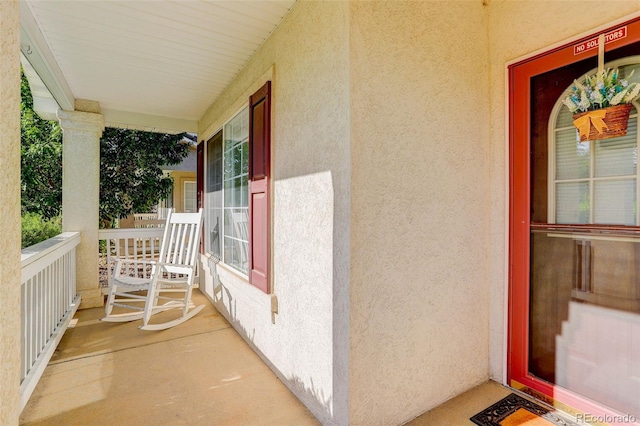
[[306, 59], [10, 212], [512, 34], [389, 197], [420, 206]]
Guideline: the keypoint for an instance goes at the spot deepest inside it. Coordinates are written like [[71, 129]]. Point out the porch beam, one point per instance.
[[80, 193], [10, 212], [37, 52], [147, 123]]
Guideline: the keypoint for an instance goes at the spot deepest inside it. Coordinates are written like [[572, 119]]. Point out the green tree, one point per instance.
[[131, 179], [41, 160]]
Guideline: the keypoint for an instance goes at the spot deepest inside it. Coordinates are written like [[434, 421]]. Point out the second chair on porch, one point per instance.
[[147, 287]]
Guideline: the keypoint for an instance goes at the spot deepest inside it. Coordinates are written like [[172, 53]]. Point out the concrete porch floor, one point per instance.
[[198, 373]]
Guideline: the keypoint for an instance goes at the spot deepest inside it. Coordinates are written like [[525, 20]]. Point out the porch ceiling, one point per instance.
[[153, 65]]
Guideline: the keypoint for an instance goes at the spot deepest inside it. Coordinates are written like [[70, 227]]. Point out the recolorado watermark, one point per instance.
[[606, 418]]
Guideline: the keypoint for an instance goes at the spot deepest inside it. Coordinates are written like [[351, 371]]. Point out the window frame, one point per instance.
[[259, 226], [222, 232]]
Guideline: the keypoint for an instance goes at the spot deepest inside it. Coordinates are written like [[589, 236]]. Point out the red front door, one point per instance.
[[574, 313]]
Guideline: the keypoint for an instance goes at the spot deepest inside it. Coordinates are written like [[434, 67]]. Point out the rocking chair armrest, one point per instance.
[[121, 260], [179, 265], [136, 261]]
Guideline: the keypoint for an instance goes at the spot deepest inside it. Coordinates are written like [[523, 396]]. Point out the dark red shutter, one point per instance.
[[259, 158], [200, 185]]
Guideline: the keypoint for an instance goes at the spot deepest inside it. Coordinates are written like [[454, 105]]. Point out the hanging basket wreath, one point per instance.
[[605, 123], [601, 105]]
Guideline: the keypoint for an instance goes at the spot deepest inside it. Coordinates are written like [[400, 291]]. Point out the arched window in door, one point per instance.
[[594, 182]]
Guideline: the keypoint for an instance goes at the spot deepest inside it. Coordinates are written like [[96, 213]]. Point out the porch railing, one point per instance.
[[49, 301], [148, 220]]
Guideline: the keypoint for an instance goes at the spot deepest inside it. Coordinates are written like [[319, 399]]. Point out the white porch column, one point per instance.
[[80, 195], [10, 212]]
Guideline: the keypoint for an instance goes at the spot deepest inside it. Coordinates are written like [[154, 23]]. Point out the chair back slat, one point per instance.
[[192, 247], [183, 235], [180, 242]]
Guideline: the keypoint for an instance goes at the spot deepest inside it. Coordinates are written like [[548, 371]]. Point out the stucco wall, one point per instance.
[[420, 206], [306, 59], [513, 34], [389, 197], [10, 212]]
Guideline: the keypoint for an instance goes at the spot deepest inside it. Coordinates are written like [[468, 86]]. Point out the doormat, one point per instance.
[[515, 410]]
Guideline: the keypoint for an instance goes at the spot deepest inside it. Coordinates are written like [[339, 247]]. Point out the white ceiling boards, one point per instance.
[[150, 64]]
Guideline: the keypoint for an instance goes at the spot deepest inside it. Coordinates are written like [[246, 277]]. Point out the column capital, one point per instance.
[[81, 121]]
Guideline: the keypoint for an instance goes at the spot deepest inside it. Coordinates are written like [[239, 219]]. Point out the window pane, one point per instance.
[[229, 230], [228, 193], [228, 161], [168, 203], [245, 157], [572, 156], [572, 202], [615, 202], [244, 193], [190, 200], [228, 250], [236, 239], [237, 191], [236, 200], [213, 214], [565, 118], [237, 130], [214, 164], [618, 156], [237, 160]]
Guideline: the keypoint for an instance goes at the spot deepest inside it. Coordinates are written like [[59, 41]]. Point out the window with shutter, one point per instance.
[[235, 183]]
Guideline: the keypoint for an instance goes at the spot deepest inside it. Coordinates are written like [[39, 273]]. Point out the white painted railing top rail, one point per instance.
[[49, 301], [145, 216], [136, 243], [148, 220]]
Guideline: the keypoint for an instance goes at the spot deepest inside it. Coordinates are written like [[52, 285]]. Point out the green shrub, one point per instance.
[[35, 228]]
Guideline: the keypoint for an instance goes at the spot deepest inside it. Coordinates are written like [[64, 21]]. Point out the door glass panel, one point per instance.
[[618, 156], [572, 156], [572, 202], [565, 119], [584, 314], [614, 202]]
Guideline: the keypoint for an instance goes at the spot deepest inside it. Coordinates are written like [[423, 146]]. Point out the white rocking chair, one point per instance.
[[137, 281]]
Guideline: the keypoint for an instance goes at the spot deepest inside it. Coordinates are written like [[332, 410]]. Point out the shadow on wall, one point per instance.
[[314, 399]]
